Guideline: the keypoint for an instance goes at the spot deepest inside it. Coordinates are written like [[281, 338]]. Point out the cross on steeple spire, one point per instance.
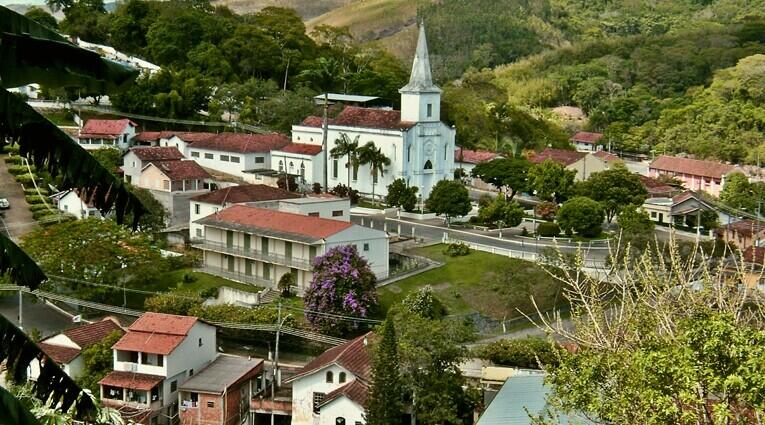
[[420, 80]]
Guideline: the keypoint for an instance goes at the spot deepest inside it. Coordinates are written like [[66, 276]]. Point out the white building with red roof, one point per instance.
[[585, 141], [157, 354], [419, 146], [259, 245], [97, 134], [236, 154], [138, 157], [333, 388]]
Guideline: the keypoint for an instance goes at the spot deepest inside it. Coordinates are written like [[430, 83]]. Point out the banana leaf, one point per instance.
[[13, 412], [53, 387], [32, 53]]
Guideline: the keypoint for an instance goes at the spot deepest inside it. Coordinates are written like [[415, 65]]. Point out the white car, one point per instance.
[[4, 204]]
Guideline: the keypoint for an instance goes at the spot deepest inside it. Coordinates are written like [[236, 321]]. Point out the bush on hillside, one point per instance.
[[36, 199], [14, 149], [548, 229], [26, 179], [458, 249], [20, 169], [177, 303], [522, 353], [38, 191], [39, 207], [15, 159], [424, 303]]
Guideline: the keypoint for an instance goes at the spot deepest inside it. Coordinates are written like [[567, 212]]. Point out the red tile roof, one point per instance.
[[606, 156], [157, 153], [192, 137], [242, 143], [181, 170], [355, 390], [656, 187], [353, 356], [586, 137], [170, 324], [105, 128], [692, 167], [746, 227], [354, 116], [302, 149], [244, 193], [92, 333], [152, 136], [561, 156], [262, 219], [131, 380], [59, 353], [473, 157], [156, 333], [186, 136], [755, 255], [682, 197]]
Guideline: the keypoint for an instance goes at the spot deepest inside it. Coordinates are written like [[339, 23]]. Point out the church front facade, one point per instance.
[[420, 147]]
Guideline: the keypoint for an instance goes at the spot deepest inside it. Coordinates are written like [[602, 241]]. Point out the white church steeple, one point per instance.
[[421, 99]]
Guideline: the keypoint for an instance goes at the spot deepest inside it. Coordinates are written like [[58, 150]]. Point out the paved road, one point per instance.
[[17, 220], [36, 314]]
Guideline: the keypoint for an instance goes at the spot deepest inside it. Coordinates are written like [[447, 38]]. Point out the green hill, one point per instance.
[[306, 9]]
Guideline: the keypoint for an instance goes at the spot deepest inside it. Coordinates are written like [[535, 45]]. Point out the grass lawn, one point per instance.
[[173, 281], [492, 285]]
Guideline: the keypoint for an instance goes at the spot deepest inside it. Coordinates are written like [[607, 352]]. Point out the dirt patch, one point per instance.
[[393, 288]]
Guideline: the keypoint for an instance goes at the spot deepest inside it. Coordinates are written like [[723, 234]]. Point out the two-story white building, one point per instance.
[[235, 153], [258, 245], [71, 202], [134, 161], [158, 353], [304, 161], [333, 388], [96, 134], [419, 146]]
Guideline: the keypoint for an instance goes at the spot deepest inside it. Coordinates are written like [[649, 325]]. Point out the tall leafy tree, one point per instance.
[[551, 181], [614, 189], [345, 147], [510, 173], [371, 155], [581, 215], [42, 17], [402, 196], [449, 198], [385, 402]]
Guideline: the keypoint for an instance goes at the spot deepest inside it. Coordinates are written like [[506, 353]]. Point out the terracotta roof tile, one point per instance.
[[244, 193], [755, 255], [353, 356], [654, 186], [586, 137], [692, 167], [606, 156], [157, 153], [354, 116], [153, 136], [560, 156], [473, 157], [746, 227], [242, 143], [192, 137], [170, 324], [355, 390], [302, 149], [181, 170], [131, 380], [104, 128], [149, 342], [59, 353], [266, 220], [92, 333]]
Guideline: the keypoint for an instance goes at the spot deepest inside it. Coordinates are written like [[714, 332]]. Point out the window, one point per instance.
[[317, 399], [341, 377], [302, 171], [166, 184], [173, 386], [408, 153], [338, 213], [200, 342], [209, 156], [311, 252], [281, 166], [160, 360], [430, 110], [260, 160], [428, 165], [313, 214], [191, 372], [366, 247], [339, 421], [210, 404], [224, 158], [330, 378], [334, 168], [653, 214], [235, 159], [133, 164], [355, 172], [199, 233], [194, 154], [445, 146], [196, 208]]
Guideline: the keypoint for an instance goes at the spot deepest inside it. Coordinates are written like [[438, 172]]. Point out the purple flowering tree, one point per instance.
[[342, 284]]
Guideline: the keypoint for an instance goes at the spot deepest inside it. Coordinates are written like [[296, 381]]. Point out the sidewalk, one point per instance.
[[16, 221]]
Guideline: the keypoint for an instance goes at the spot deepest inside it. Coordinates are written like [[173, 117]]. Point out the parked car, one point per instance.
[[4, 204]]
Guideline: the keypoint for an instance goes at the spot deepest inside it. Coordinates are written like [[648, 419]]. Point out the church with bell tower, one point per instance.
[[420, 147]]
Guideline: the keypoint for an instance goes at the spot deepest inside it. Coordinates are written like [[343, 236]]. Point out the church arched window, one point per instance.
[[281, 165], [428, 165], [446, 146], [302, 171], [409, 153]]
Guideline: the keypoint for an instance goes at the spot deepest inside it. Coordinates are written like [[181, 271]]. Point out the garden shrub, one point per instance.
[[548, 229], [20, 169], [38, 191], [285, 283], [37, 199], [424, 303], [39, 207], [26, 179], [457, 249], [15, 159], [522, 353], [14, 149]]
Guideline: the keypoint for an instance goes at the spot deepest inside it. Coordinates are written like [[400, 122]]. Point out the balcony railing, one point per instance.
[[236, 276], [266, 257]]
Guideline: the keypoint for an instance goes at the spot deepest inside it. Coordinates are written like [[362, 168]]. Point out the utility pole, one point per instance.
[[279, 324], [21, 309], [325, 126]]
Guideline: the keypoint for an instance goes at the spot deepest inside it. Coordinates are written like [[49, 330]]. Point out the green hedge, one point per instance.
[[26, 179], [51, 219], [37, 215], [39, 207], [38, 191], [11, 149], [15, 159], [548, 229], [36, 199], [20, 169]]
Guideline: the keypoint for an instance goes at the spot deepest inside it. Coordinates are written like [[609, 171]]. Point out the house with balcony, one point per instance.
[[221, 392], [258, 245], [157, 354], [333, 388], [65, 348], [97, 134], [134, 161]]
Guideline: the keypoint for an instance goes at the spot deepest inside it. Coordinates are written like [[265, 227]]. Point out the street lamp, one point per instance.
[[279, 323]]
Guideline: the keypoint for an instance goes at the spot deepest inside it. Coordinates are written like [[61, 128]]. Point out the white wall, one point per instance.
[[331, 208], [131, 167], [72, 204], [247, 161], [341, 407], [376, 242], [314, 165], [205, 209], [304, 387]]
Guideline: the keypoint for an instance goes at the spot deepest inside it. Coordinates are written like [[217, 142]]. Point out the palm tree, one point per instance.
[[345, 147], [62, 64], [372, 155]]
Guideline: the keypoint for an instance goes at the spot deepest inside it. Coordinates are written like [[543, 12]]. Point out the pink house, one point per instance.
[[694, 174]]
